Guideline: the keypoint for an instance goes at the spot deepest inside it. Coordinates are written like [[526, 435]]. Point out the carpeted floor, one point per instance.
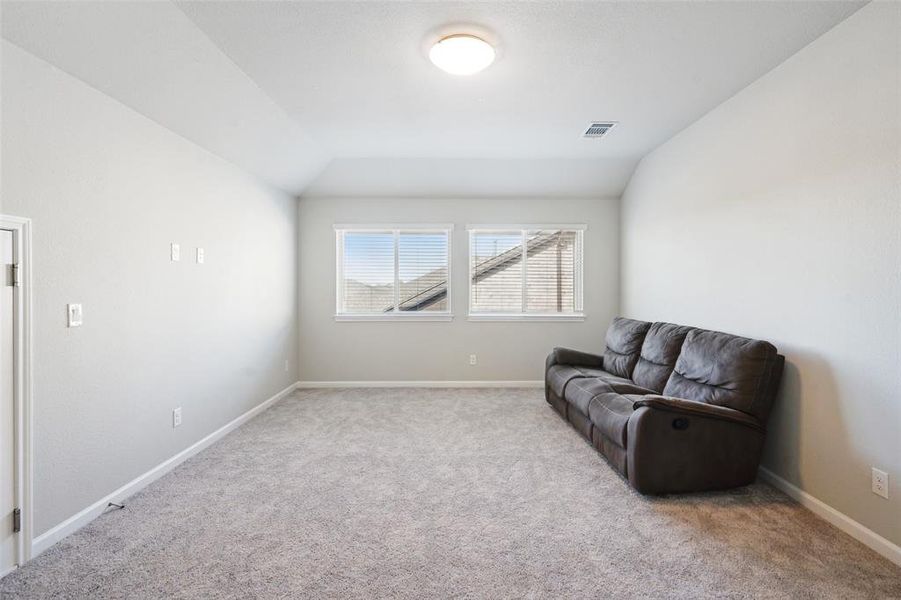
[[415, 493]]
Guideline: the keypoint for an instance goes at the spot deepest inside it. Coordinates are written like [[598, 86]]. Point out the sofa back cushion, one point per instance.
[[726, 370], [624, 339], [659, 353]]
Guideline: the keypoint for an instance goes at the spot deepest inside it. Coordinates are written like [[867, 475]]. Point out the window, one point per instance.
[[525, 272], [393, 272]]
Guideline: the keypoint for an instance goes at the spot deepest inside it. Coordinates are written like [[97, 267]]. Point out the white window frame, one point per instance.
[[396, 229], [523, 229]]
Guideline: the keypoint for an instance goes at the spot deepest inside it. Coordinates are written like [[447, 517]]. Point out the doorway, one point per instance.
[[15, 393]]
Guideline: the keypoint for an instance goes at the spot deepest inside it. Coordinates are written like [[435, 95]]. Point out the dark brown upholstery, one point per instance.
[[658, 356], [624, 339], [673, 408], [558, 376], [583, 389], [722, 369], [610, 413]]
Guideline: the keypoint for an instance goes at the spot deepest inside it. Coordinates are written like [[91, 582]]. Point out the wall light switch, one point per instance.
[[75, 315], [176, 417], [200, 256], [174, 252]]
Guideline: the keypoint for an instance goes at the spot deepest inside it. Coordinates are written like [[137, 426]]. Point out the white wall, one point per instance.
[[108, 190], [365, 351], [778, 216]]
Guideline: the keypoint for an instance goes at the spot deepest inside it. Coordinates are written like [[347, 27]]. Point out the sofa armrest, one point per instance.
[[565, 356], [697, 409], [676, 445]]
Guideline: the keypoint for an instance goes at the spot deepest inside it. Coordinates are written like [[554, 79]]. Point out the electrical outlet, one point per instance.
[[176, 417], [174, 252], [200, 256], [880, 483], [473, 360]]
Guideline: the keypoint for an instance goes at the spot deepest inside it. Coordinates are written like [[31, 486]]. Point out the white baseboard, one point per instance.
[[421, 384], [861, 533], [80, 519]]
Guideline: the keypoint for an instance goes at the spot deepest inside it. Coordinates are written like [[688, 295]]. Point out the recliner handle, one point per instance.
[[680, 423]]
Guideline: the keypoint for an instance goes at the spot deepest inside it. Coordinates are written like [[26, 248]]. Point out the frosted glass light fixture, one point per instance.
[[462, 54]]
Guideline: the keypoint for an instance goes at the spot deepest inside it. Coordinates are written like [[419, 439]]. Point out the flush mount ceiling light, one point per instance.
[[462, 54]]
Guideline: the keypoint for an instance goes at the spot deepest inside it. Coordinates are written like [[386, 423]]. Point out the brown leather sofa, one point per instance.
[[673, 408]]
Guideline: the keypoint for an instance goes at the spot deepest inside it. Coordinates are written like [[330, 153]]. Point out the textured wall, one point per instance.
[[363, 351], [108, 190], [777, 216]]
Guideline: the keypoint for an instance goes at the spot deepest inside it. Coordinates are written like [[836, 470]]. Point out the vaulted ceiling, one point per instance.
[[339, 98]]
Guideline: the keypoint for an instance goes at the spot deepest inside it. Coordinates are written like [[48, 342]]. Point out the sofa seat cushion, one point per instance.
[[581, 391], [610, 412], [589, 372], [608, 377], [559, 375]]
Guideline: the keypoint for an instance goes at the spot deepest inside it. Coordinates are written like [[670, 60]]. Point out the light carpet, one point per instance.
[[440, 493]]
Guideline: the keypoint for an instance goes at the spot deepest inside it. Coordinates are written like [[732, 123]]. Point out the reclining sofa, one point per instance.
[[672, 408]]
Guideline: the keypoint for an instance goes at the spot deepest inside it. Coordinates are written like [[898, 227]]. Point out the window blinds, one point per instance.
[[526, 271], [392, 271]]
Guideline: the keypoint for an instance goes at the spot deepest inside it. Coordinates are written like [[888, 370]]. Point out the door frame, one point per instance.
[[24, 391]]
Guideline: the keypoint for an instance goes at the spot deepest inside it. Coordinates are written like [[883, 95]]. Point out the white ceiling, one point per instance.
[[282, 88]]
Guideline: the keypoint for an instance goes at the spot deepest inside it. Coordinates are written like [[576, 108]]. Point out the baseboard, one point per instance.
[[861, 533], [80, 519], [421, 384]]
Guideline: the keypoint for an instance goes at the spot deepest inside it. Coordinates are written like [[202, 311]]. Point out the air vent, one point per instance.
[[599, 129]]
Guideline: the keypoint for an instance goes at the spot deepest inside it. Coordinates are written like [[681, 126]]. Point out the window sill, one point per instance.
[[409, 317], [528, 317]]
